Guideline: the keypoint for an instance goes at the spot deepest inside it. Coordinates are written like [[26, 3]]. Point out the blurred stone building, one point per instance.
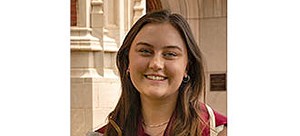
[[97, 30]]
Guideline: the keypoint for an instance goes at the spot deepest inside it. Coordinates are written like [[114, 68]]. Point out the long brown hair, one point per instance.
[[123, 120]]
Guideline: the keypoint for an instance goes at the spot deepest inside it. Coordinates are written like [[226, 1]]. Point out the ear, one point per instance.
[[185, 73], [187, 67], [186, 70]]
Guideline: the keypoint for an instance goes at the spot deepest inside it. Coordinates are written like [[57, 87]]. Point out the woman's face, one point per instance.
[[157, 61]]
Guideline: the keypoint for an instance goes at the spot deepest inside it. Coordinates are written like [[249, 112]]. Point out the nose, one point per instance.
[[156, 63]]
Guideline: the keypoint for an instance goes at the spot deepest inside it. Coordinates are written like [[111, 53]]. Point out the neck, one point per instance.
[[157, 111]]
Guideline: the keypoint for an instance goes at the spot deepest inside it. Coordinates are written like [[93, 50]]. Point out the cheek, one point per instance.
[[176, 71], [137, 63]]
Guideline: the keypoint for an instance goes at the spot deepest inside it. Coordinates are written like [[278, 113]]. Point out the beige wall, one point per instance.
[[214, 44]]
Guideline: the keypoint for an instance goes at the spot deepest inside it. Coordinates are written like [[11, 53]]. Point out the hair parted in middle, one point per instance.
[[188, 119]]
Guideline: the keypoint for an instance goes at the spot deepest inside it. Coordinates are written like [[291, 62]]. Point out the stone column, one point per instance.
[[85, 77], [138, 9], [106, 93], [111, 36]]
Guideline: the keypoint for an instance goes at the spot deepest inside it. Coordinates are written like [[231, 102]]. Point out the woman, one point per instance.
[[162, 78]]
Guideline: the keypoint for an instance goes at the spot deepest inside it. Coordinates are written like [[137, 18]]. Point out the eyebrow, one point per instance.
[[168, 46]]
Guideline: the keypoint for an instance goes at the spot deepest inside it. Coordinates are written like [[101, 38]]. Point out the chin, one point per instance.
[[155, 93]]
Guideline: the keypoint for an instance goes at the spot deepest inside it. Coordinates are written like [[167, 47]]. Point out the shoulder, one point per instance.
[[215, 122], [207, 112], [220, 119], [101, 130]]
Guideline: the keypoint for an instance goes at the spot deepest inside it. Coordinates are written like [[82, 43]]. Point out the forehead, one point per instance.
[[159, 34]]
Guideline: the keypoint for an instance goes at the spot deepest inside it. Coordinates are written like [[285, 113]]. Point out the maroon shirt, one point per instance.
[[220, 120]]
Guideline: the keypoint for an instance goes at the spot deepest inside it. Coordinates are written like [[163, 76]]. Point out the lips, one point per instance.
[[156, 77]]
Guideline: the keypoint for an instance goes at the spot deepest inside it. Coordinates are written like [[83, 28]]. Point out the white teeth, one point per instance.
[[155, 77]]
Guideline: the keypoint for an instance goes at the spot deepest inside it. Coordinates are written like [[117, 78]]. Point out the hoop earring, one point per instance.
[[186, 79]]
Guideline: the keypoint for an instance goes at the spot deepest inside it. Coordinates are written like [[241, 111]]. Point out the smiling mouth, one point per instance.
[[158, 78]]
